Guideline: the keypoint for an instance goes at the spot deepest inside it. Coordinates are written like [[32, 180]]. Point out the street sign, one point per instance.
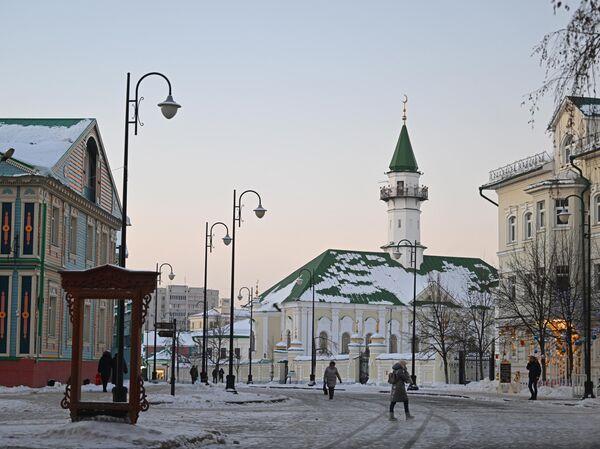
[[164, 325], [165, 333]]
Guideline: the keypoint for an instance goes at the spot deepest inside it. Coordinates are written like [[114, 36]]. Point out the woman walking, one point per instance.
[[398, 377], [329, 378]]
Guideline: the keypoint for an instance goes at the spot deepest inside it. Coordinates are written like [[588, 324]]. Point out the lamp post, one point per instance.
[[413, 254], [158, 279], [250, 301], [313, 352], [168, 109], [563, 217], [237, 217], [208, 246]]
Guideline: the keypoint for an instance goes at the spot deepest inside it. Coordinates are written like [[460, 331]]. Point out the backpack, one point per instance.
[[391, 378]]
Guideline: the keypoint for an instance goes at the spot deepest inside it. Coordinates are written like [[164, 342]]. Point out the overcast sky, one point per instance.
[[298, 100]]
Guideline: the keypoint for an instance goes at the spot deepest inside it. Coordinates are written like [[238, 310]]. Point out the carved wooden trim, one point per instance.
[[70, 301], [145, 304], [144, 404]]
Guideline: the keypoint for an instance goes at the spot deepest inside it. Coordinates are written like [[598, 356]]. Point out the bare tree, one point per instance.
[[570, 55], [439, 321], [479, 313], [217, 342]]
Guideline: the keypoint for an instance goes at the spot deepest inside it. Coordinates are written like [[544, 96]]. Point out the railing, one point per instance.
[[387, 192], [519, 167]]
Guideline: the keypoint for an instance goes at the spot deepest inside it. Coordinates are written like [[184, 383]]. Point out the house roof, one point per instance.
[[41, 142], [359, 277], [404, 157], [589, 106]]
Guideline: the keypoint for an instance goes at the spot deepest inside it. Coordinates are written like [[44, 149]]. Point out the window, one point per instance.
[[393, 344], [89, 243], [560, 205], [541, 214], [512, 286], [512, 229], [237, 353], [345, 343], [323, 341], [399, 223], [567, 144], [209, 353], [223, 354], [52, 305], [562, 278], [104, 249], [73, 235], [55, 223], [597, 208], [288, 339], [528, 225], [597, 276], [87, 315], [102, 325]]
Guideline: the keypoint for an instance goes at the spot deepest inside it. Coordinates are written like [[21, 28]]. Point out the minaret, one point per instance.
[[403, 196]]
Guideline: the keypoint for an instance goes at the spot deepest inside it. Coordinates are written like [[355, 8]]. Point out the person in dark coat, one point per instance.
[[105, 368], [215, 374], [194, 374], [535, 371], [114, 368], [398, 377], [330, 376], [221, 374]]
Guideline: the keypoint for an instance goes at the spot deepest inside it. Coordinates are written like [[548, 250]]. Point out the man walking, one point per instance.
[[329, 378], [535, 371]]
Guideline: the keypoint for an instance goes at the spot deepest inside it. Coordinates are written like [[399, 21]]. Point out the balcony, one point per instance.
[[420, 193]]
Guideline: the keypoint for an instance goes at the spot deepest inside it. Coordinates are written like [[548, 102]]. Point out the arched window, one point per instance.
[[528, 225], [512, 229], [323, 341], [345, 343], [567, 149], [393, 344], [91, 158], [597, 208]]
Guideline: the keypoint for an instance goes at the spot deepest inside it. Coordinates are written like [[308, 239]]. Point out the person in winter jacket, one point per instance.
[[194, 374], [215, 374], [398, 377], [105, 368], [329, 378], [114, 368], [535, 371]]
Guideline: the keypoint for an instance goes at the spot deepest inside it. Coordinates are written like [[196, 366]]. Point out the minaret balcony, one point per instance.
[[420, 193]]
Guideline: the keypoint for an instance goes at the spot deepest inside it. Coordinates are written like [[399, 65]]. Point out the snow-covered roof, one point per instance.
[[40, 142], [375, 278]]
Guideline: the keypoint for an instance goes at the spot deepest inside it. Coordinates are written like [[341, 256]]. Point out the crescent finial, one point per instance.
[[404, 100]]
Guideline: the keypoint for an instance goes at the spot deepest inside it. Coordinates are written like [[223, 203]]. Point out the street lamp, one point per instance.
[[404, 243], [208, 245], [563, 218], [158, 280], [250, 301], [169, 109], [237, 217], [313, 352]]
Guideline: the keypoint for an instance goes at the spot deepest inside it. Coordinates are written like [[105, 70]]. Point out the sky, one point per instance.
[[300, 101]]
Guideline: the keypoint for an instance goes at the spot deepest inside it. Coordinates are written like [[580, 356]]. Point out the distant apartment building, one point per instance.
[[180, 302]]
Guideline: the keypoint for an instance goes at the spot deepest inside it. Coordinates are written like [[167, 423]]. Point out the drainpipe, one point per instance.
[[485, 197], [42, 250]]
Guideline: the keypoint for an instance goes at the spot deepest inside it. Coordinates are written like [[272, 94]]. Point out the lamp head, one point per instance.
[[171, 276], [227, 240], [260, 211], [169, 107], [240, 297], [397, 254], [563, 216]]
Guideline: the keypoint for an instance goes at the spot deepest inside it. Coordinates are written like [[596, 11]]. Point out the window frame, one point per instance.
[[511, 235]]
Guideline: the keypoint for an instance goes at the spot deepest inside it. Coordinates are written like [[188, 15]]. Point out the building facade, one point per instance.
[[60, 211], [180, 302]]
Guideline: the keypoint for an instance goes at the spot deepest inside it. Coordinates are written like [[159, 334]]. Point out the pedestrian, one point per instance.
[[535, 371], [221, 374], [114, 368], [105, 368], [330, 376], [215, 374], [398, 377], [194, 374]]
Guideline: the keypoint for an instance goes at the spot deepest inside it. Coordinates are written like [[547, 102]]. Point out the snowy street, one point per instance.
[[300, 418]]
